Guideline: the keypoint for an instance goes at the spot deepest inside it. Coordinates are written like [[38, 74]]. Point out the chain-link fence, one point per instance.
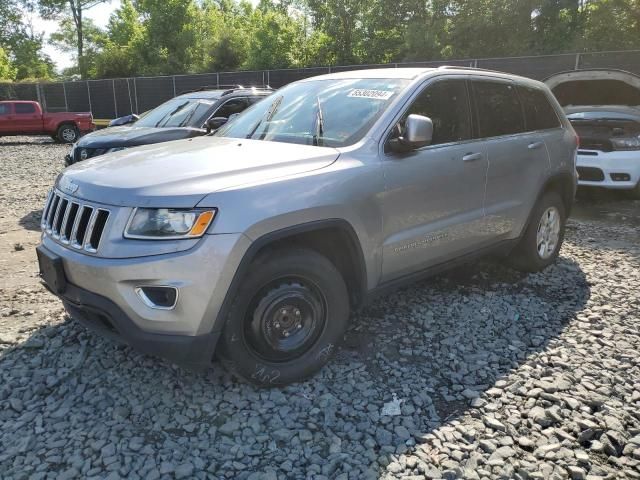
[[112, 98]]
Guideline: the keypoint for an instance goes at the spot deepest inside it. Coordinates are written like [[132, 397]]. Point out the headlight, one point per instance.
[[628, 143], [168, 223]]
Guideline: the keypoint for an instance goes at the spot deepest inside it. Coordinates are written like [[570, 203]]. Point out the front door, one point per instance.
[[27, 118], [6, 118], [433, 201]]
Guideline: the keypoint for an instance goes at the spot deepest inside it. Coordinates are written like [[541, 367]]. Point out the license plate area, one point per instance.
[[51, 270]]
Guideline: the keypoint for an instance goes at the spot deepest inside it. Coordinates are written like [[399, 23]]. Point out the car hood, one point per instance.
[[595, 87], [179, 174], [132, 136]]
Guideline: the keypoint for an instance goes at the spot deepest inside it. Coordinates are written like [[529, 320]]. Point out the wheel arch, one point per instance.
[[563, 183], [334, 238]]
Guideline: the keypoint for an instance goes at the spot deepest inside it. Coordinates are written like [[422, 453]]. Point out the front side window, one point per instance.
[[5, 109], [25, 108], [333, 113], [233, 106], [538, 112], [178, 112], [498, 108], [446, 103]]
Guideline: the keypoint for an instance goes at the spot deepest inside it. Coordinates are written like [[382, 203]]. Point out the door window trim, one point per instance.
[[405, 107]]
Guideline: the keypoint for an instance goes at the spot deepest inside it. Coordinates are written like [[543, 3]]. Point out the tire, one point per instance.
[[535, 253], [635, 193], [288, 316], [67, 133]]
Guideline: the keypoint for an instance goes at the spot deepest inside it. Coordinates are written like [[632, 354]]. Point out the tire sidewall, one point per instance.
[[549, 199], [61, 131], [243, 361]]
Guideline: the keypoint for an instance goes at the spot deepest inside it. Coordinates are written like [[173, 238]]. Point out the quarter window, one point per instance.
[[498, 108], [538, 112], [25, 108], [446, 103]]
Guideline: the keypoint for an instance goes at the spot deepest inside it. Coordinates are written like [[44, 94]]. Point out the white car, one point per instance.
[[604, 108]]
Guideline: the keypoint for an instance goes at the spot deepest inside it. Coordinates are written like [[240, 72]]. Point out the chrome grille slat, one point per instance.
[[45, 210], [55, 217], [87, 235], [71, 222], [74, 231]]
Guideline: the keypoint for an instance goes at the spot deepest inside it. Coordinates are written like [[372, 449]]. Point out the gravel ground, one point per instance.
[[493, 374]]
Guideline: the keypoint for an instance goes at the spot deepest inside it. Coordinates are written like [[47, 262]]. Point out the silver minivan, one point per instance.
[[255, 243]]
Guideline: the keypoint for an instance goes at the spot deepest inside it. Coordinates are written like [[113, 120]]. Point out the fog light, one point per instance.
[[160, 297], [620, 177]]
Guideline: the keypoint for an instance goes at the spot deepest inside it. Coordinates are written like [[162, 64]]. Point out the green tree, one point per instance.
[[7, 70], [72, 11], [65, 40]]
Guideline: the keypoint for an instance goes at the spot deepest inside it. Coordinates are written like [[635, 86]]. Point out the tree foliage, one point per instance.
[[154, 37]]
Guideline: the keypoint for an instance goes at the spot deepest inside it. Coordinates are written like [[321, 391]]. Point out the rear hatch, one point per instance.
[[602, 105]]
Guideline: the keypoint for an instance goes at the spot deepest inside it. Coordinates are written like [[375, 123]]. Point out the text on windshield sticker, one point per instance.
[[374, 94]]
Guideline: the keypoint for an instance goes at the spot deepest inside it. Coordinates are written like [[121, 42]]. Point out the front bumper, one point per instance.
[[602, 165], [101, 292], [107, 319]]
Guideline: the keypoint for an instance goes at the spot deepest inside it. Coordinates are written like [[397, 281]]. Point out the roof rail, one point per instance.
[[475, 69], [228, 88]]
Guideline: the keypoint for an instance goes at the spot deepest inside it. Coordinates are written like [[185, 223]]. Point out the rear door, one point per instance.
[[27, 118], [6, 118], [433, 201], [517, 159]]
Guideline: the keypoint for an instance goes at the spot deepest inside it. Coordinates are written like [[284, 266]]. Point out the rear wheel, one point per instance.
[[288, 316], [540, 245], [67, 133]]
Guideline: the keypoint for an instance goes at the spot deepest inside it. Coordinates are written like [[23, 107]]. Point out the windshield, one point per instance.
[[178, 112], [333, 113]]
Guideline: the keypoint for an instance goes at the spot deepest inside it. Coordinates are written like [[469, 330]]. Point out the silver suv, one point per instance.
[[255, 243]]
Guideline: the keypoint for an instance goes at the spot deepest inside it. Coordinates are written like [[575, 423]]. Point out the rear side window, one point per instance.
[[538, 112], [498, 108], [446, 103], [5, 109], [25, 108]]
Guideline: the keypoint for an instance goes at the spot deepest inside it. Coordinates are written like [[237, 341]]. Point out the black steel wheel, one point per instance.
[[288, 317]]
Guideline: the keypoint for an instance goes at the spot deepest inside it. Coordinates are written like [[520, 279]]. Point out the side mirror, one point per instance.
[[126, 120], [418, 132], [215, 123]]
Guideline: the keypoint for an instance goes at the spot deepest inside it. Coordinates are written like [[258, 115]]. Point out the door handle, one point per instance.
[[534, 145], [470, 157]]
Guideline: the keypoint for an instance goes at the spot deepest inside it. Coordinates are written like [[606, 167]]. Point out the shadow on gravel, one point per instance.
[[31, 221], [76, 401]]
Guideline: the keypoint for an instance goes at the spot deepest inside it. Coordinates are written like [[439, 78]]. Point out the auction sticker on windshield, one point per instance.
[[374, 94]]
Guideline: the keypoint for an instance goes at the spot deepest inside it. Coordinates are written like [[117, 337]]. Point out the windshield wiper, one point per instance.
[[319, 128], [167, 117], [266, 117]]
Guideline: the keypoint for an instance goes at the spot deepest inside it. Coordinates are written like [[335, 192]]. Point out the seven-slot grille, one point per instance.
[[74, 223]]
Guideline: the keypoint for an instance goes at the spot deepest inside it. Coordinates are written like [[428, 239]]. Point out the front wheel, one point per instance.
[[540, 245], [288, 317], [67, 133]]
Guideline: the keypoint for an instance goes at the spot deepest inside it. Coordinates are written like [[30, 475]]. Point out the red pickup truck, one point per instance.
[[19, 117]]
